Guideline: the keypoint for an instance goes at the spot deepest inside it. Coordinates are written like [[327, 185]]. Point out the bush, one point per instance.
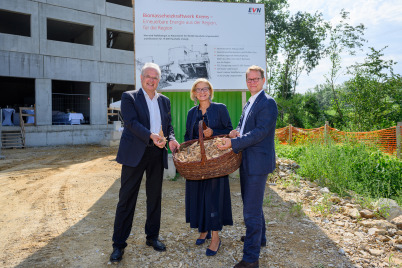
[[348, 167]]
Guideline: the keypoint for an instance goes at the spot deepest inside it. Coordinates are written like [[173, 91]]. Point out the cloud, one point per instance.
[[368, 12]]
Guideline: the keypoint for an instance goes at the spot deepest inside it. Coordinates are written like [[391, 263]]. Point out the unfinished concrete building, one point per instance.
[[64, 62]]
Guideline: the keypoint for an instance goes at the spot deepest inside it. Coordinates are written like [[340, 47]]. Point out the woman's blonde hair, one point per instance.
[[192, 91]]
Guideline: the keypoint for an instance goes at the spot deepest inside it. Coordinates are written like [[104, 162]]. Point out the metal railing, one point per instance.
[[114, 112]]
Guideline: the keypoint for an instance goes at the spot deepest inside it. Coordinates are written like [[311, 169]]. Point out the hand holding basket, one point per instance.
[[206, 168]]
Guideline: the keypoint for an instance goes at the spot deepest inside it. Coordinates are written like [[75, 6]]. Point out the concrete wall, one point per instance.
[[64, 49], [43, 100], [65, 135], [98, 104], [90, 6], [9, 42], [115, 55], [37, 57], [47, 60]]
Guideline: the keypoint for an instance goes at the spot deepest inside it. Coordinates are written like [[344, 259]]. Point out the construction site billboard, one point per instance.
[[192, 39]]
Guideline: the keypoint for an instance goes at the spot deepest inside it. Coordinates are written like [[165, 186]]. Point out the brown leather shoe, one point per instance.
[[244, 264], [263, 244]]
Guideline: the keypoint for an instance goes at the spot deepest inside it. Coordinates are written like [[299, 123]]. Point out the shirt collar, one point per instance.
[[253, 98], [146, 94]]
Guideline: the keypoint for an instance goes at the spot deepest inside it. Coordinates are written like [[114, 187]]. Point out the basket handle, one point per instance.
[[201, 141]]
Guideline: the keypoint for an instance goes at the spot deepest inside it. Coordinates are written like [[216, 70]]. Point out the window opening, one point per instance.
[[15, 23], [70, 102], [69, 32]]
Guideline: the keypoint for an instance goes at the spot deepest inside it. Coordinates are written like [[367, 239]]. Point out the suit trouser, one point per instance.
[[131, 177], [252, 192]]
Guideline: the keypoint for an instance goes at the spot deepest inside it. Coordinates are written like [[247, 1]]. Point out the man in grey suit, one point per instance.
[[141, 150], [254, 136]]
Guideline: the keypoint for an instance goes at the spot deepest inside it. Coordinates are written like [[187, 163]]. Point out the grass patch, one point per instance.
[[267, 201], [297, 210], [323, 206], [348, 167]]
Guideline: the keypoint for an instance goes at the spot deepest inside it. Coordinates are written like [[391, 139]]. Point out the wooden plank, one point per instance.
[[11, 140], [12, 144]]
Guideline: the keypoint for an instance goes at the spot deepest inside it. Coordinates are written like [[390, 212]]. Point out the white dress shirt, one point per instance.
[[154, 112]]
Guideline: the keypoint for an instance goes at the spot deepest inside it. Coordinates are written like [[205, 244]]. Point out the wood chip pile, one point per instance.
[[193, 152]]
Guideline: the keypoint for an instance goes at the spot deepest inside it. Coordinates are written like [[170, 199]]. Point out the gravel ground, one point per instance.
[[58, 204]]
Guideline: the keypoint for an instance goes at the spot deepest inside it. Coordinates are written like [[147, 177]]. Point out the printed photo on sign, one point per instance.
[[191, 40]]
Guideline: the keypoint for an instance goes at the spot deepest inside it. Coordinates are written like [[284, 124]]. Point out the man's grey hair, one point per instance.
[[151, 65]]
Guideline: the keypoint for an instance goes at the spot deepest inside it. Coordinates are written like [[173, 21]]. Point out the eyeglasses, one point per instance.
[[253, 80], [150, 77], [204, 89]]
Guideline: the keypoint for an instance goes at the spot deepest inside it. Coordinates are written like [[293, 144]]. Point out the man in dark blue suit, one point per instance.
[[254, 137], [142, 149]]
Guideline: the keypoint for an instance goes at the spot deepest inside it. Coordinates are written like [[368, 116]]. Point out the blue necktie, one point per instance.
[[242, 114]]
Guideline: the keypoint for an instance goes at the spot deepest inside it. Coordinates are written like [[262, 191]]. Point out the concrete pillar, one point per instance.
[[43, 101], [98, 102]]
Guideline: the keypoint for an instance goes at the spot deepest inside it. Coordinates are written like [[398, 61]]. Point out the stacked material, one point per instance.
[[192, 153]]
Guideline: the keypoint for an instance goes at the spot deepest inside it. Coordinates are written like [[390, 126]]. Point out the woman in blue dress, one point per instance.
[[208, 205]]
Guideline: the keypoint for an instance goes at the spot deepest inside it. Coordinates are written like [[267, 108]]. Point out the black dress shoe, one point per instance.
[[244, 264], [116, 255], [156, 244], [263, 244]]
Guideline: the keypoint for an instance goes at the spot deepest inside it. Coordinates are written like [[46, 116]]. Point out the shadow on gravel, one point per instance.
[[292, 241]]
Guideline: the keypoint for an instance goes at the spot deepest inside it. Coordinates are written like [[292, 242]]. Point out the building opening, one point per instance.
[[69, 32], [114, 92], [70, 102], [126, 3], [15, 23], [119, 40], [15, 93]]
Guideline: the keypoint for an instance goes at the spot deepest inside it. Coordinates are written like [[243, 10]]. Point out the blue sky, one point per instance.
[[383, 22]]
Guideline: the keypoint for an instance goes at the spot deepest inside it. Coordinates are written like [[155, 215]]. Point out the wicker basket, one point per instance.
[[207, 169]]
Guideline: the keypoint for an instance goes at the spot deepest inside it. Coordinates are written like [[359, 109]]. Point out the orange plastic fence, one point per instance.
[[385, 139]]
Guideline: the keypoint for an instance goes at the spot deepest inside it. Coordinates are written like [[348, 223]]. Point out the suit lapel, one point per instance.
[[194, 119], [161, 111], [252, 108], [143, 103]]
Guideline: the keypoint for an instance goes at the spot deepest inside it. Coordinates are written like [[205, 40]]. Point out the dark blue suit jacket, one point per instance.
[[257, 142], [218, 120], [135, 136]]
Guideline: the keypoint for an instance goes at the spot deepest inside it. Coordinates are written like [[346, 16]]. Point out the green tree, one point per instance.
[[342, 38], [373, 94], [291, 110], [301, 45], [314, 115], [276, 16]]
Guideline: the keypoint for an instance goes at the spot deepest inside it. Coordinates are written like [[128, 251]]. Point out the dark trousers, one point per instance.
[[252, 192], [131, 177]]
